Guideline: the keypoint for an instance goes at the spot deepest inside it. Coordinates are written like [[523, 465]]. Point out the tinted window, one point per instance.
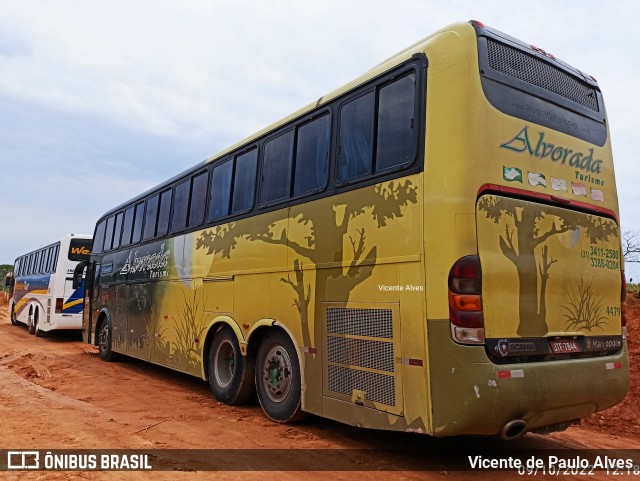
[[276, 168], [45, 261], [180, 206], [163, 215], [151, 217], [198, 198], [51, 256], [244, 181], [109, 234], [37, 263], [356, 133], [137, 223], [79, 249], [395, 144], [117, 231], [56, 251], [98, 241], [128, 226], [220, 190], [312, 156]]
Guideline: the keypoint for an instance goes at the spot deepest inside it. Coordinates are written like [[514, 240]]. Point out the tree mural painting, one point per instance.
[[181, 350], [526, 233], [326, 233]]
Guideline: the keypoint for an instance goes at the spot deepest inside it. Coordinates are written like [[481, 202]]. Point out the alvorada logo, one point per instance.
[[158, 260], [557, 153]]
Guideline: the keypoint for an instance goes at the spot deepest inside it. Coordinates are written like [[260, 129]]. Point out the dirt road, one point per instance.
[[55, 392]]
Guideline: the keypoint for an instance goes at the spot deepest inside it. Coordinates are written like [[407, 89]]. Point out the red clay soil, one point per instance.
[[56, 393], [624, 419]]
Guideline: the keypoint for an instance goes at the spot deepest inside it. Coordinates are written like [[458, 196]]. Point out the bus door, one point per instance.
[[73, 295], [135, 303]]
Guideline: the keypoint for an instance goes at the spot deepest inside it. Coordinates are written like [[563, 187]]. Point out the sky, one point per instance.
[[101, 100]]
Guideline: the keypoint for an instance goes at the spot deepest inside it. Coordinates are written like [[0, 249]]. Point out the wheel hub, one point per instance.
[[277, 374]]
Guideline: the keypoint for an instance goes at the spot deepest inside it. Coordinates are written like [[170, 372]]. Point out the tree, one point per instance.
[[327, 233], [4, 269], [631, 246]]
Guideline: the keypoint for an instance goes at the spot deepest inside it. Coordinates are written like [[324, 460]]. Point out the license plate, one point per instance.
[[563, 346]]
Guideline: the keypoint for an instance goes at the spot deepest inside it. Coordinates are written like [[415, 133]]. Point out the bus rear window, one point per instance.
[[79, 249], [526, 82]]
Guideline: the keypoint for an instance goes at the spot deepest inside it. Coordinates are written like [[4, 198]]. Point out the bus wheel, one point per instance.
[[278, 378], [36, 328], [104, 341], [14, 321], [231, 375], [31, 323]]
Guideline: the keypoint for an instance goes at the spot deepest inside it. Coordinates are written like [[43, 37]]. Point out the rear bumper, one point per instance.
[[63, 322], [469, 396]]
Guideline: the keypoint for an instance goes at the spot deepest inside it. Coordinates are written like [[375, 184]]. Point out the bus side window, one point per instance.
[[108, 239], [180, 206], [56, 251], [276, 168], [137, 223], [198, 198], [396, 110], [312, 155], [244, 182], [117, 231], [356, 137], [98, 241], [151, 217], [220, 190], [127, 227], [164, 213]]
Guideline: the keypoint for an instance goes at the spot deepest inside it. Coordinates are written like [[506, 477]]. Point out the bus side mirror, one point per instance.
[[78, 274], [8, 280]]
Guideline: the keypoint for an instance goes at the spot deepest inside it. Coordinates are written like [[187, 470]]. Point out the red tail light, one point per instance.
[[465, 301], [623, 300], [59, 304]]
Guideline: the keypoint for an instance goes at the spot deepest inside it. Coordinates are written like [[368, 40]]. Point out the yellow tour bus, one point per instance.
[[432, 248]]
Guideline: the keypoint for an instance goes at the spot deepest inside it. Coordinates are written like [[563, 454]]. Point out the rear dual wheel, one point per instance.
[[278, 379]]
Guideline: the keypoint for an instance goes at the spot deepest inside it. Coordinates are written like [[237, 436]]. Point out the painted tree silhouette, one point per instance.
[[327, 232], [519, 242]]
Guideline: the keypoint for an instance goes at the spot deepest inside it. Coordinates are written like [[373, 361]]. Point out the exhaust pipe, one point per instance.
[[513, 429]]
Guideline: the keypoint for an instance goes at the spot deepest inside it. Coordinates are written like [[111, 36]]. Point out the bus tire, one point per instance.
[[37, 331], [278, 379], [104, 341], [31, 322], [14, 321], [231, 375]]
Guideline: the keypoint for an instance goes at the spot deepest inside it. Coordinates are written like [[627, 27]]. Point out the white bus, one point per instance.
[[41, 289]]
